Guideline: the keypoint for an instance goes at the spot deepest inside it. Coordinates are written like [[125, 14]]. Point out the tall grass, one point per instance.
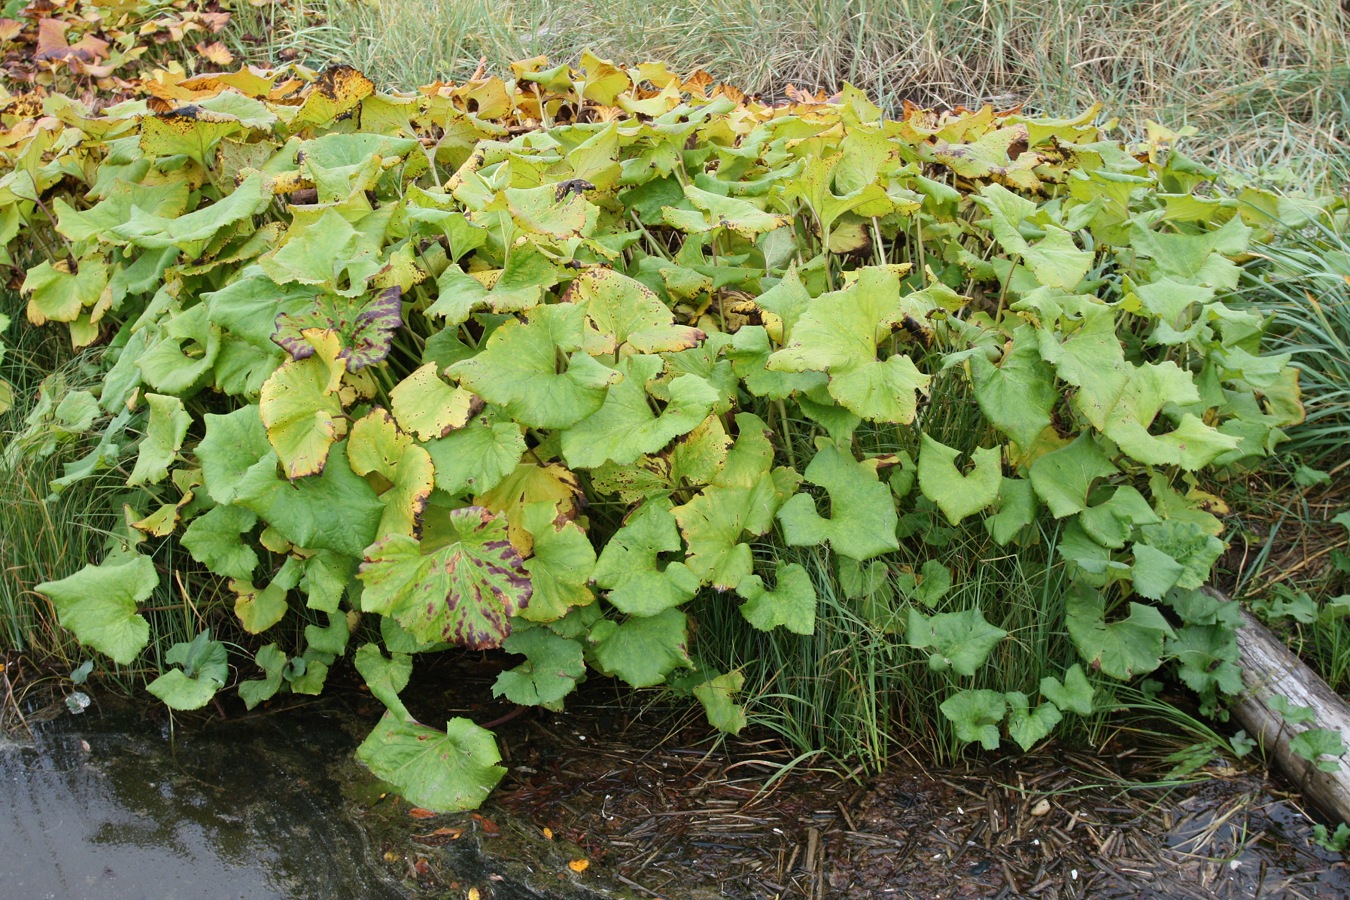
[[855, 689], [1266, 82], [47, 535], [1303, 281]]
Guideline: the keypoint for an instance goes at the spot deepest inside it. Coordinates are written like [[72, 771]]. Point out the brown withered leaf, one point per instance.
[[216, 53]]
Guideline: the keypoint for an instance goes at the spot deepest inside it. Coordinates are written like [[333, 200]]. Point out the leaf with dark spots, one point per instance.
[[462, 586], [365, 330]]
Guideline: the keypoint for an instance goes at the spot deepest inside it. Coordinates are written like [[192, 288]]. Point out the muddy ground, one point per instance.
[[654, 804]]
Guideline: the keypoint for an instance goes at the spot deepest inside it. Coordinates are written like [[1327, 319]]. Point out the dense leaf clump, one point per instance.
[[532, 363]]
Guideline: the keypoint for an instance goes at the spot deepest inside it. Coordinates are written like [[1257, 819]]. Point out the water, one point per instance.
[[111, 805]]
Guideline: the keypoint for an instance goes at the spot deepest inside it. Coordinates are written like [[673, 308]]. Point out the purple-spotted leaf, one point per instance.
[[464, 591], [365, 329]]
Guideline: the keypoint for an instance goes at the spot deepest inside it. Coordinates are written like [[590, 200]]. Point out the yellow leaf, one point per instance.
[[215, 53], [579, 865]]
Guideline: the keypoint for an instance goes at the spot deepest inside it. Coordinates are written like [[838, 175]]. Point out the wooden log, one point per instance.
[[1269, 669]]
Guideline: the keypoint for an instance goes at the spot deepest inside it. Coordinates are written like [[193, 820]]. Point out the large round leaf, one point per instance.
[[463, 591]]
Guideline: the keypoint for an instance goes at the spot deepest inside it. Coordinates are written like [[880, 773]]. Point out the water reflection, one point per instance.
[[106, 805]]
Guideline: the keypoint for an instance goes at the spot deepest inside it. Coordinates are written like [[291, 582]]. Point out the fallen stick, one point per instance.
[[1269, 669]]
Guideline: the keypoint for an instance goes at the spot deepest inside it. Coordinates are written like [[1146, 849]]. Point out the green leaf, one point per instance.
[[60, 292], [741, 498], [750, 352], [474, 459], [463, 591], [386, 678], [715, 211], [716, 695], [1027, 726], [1186, 545], [233, 443], [934, 583], [955, 494], [302, 511], [626, 310], [519, 286], [862, 518], [330, 640], [839, 334], [1208, 659], [1019, 395], [1054, 259], [1154, 572], [1074, 694], [1016, 507], [791, 604], [518, 369], [1111, 522], [961, 641], [1199, 259], [560, 568], [191, 131], [1130, 422], [976, 714], [1091, 359], [301, 410], [539, 210], [1123, 649], [205, 669], [691, 462], [258, 610], [327, 251], [630, 567], [271, 660], [428, 407], [625, 427], [552, 669], [1315, 743], [180, 362], [98, 604], [1063, 478], [1294, 715], [192, 231], [642, 650], [214, 540], [441, 771], [163, 436]]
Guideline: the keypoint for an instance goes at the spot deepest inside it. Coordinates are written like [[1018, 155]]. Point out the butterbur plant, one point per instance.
[[532, 363]]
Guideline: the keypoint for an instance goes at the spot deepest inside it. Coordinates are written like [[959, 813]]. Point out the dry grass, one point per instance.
[[1266, 82]]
